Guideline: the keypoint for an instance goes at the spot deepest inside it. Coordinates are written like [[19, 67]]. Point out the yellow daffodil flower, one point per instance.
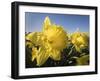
[[83, 60], [80, 40], [51, 41]]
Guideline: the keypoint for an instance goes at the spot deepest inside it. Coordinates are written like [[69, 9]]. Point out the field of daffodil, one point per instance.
[[53, 46]]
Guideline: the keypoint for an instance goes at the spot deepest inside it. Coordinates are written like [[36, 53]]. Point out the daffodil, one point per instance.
[[37, 38], [51, 41], [56, 39], [83, 60], [80, 40]]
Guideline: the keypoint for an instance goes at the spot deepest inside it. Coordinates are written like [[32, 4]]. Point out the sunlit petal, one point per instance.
[[41, 57]]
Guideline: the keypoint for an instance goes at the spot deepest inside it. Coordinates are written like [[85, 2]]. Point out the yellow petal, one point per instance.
[[42, 56], [78, 48], [32, 37], [83, 60], [34, 53], [55, 55], [47, 23]]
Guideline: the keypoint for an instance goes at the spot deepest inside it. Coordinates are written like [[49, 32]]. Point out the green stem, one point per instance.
[[71, 50]]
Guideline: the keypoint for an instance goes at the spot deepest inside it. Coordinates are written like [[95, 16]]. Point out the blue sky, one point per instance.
[[70, 23]]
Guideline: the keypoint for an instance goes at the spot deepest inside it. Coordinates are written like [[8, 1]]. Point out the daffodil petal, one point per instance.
[[78, 48], [83, 60], [42, 57], [47, 23], [34, 53], [55, 55]]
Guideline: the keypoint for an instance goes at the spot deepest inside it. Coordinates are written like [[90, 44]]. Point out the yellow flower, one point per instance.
[[83, 60], [51, 41], [56, 39], [80, 40]]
